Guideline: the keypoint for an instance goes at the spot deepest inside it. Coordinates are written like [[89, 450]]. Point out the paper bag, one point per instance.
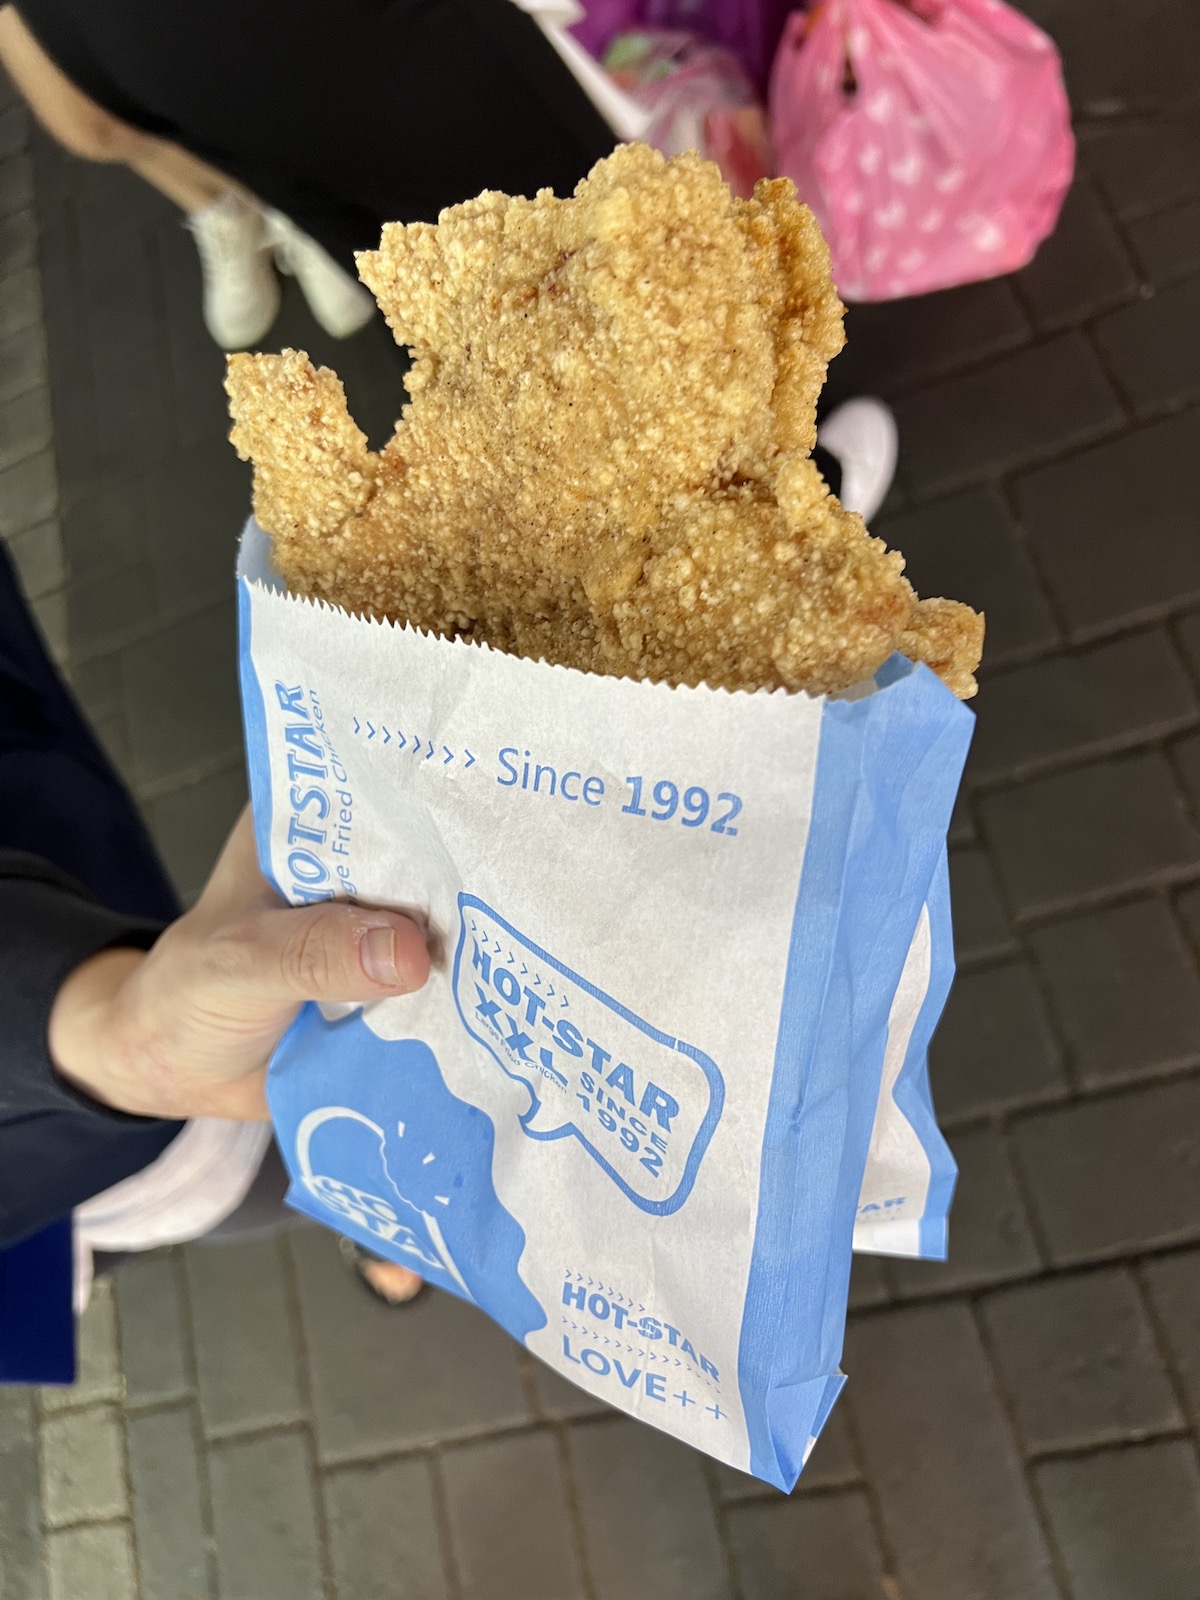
[[689, 949]]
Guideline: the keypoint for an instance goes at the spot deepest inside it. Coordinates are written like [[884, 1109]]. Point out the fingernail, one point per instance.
[[378, 956]]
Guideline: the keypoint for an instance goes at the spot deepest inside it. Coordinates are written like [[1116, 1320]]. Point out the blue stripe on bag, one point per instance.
[[911, 1092], [887, 773], [254, 718]]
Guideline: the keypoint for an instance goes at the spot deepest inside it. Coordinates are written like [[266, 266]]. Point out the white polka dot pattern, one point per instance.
[[932, 141]]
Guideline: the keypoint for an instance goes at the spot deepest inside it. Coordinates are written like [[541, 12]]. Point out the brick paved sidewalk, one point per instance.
[[1020, 1423]]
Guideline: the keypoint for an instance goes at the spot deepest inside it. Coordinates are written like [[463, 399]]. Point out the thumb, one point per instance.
[[327, 953]]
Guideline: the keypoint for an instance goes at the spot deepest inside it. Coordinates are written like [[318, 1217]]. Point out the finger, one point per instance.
[[325, 953]]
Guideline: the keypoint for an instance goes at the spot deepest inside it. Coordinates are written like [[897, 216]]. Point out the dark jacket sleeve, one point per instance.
[[57, 1146]]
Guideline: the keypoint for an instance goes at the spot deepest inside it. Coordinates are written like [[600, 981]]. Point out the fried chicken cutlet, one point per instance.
[[605, 457]]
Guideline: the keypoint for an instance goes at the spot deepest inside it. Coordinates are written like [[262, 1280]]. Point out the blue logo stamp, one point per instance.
[[642, 1104]]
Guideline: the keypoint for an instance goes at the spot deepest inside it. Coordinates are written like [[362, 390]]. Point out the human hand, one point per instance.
[[186, 1029]]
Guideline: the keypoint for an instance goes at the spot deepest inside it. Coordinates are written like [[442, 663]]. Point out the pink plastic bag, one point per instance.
[[932, 138]]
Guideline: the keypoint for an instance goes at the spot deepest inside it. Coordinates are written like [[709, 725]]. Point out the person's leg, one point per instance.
[[88, 130], [191, 183], [241, 295]]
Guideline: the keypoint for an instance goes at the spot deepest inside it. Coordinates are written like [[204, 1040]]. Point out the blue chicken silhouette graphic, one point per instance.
[[374, 1136]]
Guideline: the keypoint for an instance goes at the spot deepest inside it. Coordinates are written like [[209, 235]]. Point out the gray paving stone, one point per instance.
[[1081, 267], [990, 1238], [1188, 902], [83, 1467], [962, 822], [993, 1046], [1110, 825], [98, 1364], [92, 1564], [50, 614], [1117, 57], [833, 1464], [981, 925], [104, 532], [22, 1575], [1022, 406], [153, 1352], [1187, 631], [24, 426], [191, 824], [196, 365], [97, 686], [829, 1541], [1186, 755], [245, 1350], [383, 1532], [1087, 516], [1128, 691], [265, 1520], [71, 379], [14, 130], [489, 1488], [1125, 991], [870, 1284], [937, 1447], [1127, 1521], [164, 1470], [1169, 242], [1153, 346], [22, 362], [966, 547], [1173, 1283], [1078, 1358], [16, 184], [1115, 1175], [107, 612], [1146, 167], [132, 402], [20, 299], [199, 407], [39, 557], [382, 1382], [18, 248], [57, 172], [182, 698], [28, 494], [113, 735], [890, 347], [117, 211], [647, 1518], [196, 505], [118, 287], [560, 1400]]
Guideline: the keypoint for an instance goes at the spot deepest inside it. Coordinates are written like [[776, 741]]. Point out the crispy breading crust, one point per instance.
[[605, 457]]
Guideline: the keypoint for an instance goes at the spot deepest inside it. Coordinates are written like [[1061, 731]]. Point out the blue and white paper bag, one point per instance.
[[670, 1065]]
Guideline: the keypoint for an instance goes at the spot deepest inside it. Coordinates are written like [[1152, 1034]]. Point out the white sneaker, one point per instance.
[[862, 434], [241, 291], [340, 304]]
